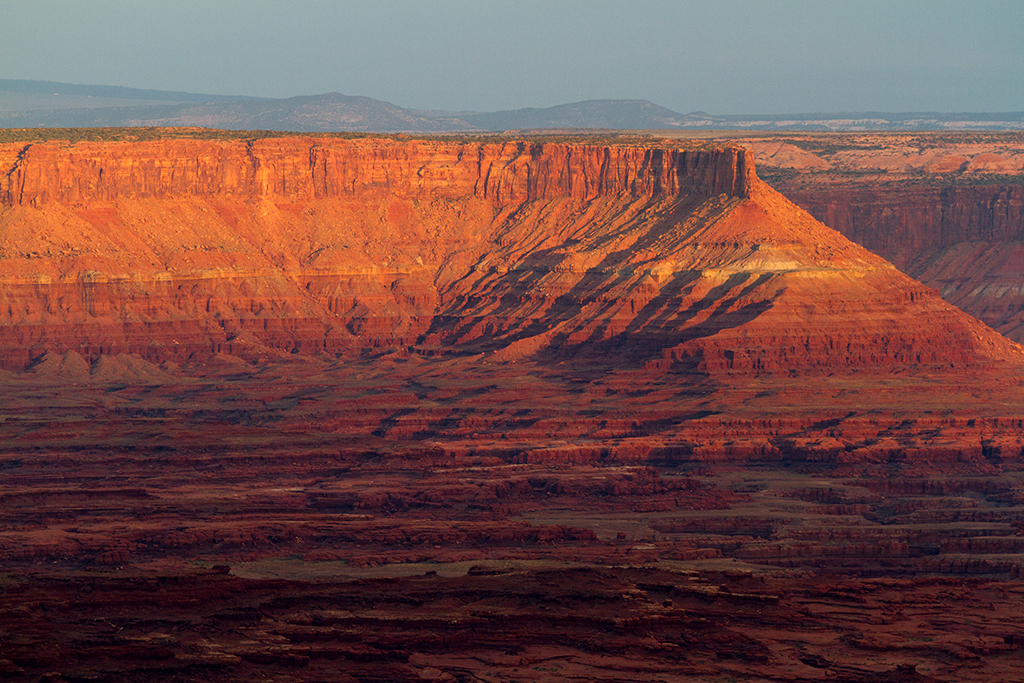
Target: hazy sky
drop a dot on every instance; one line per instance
(720, 56)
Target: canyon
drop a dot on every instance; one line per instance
(482, 409)
(948, 210)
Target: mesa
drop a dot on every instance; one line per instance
(355, 398)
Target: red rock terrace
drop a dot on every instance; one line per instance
(391, 409)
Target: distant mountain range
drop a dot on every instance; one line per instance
(31, 104)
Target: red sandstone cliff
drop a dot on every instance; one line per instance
(946, 209)
(303, 169)
(967, 242)
(652, 257)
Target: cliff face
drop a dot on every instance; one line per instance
(966, 242)
(297, 169)
(946, 209)
(901, 223)
(176, 248)
(630, 256)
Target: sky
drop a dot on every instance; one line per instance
(719, 56)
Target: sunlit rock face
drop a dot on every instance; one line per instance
(638, 255)
(326, 407)
(526, 291)
(947, 209)
(966, 242)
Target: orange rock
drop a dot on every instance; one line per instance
(521, 301)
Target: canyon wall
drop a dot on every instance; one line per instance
(638, 257)
(174, 248)
(298, 168)
(965, 241)
(947, 209)
(903, 222)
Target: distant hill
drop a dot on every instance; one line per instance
(852, 121)
(38, 101)
(316, 113)
(615, 114)
(110, 92)
(32, 104)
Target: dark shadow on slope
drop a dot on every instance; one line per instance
(664, 323)
(511, 291)
(504, 308)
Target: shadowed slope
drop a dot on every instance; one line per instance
(176, 248)
(748, 284)
(532, 289)
(531, 371)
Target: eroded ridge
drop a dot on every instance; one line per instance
(180, 249)
(384, 409)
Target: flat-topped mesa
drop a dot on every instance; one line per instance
(177, 247)
(620, 257)
(295, 169)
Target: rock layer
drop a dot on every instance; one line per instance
(654, 257)
(309, 168)
(967, 242)
(946, 209)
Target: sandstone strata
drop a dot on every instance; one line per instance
(178, 249)
(557, 301)
(382, 409)
(967, 242)
(946, 209)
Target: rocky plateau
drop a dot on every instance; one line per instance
(948, 210)
(342, 408)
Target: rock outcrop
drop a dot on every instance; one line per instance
(966, 242)
(947, 210)
(171, 249)
(180, 249)
(528, 292)
(303, 169)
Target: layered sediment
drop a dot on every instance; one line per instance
(966, 242)
(417, 410)
(176, 249)
(946, 209)
(304, 169)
